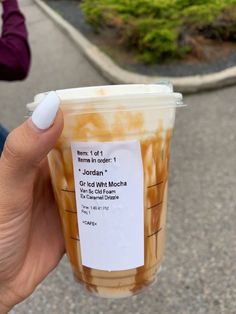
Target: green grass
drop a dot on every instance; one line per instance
(160, 29)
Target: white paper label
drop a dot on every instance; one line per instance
(110, 208)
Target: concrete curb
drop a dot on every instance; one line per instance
(116, 75)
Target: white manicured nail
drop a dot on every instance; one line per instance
(45, 113)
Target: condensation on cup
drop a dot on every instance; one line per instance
(109, 172)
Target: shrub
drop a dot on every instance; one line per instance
(158, 29)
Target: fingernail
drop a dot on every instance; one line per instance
(45, 113)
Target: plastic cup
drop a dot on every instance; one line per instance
(109, 172)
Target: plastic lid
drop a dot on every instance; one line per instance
(162, 91)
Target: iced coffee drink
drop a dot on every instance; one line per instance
(109, 172)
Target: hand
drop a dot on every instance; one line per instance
(31, 242)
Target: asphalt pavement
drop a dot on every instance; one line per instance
(198, 273)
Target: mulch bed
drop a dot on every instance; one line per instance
(218, 56)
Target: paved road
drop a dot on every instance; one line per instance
(198, 274)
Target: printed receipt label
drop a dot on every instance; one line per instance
(110, 206)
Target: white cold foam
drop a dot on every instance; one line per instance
(111, 90)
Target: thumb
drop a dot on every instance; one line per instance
(29, 144)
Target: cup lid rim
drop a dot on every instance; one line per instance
(98, 94)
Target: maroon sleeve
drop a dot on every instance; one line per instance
(14, 47)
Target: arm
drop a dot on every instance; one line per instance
(14, 47)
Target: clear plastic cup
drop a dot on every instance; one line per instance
(109, 173)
